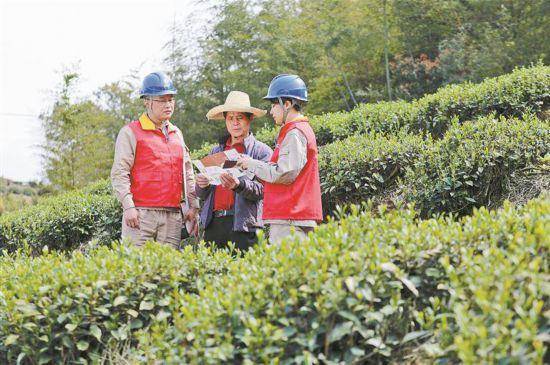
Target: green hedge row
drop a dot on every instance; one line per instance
(374, 289)
(471, 166)
(371, 287)
(365, 167)
(63, 222)
(526, 90)
(62, 309)
(500, 298)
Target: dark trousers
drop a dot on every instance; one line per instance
(220, 231)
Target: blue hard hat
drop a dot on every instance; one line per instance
(157, 83)
(287, 86)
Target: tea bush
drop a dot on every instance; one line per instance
(370, 288)
(472, 164)
(499, 297)
(63, 222)
(62, 309)
(365, 167)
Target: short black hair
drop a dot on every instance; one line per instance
(298, 105)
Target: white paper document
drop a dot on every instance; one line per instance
(232, 154)
(213, 172)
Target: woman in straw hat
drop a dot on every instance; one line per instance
(232, 211)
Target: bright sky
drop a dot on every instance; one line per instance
(38, 39)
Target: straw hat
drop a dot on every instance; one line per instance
(236, 101)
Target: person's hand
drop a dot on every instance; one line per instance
(244, 162)
(229, 181)
(202, 181)
(191, 216)
(131, 217)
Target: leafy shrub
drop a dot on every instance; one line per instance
(369, 287)
(365, 167)
(366, 289)
(62, 222)
(472, 164)
(524, 90)
(500, 299)
(63, 309)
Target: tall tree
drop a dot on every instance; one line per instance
(77, 149)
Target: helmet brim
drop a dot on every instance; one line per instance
(158, 93)
(272, 97)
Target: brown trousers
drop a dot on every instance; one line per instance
(160, 225)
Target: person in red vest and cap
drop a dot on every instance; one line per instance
(292, 189)
(152, 170)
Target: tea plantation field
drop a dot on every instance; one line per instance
(435, 250)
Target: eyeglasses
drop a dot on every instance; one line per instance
(167, 101)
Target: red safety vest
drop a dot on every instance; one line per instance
(300, 200)
(156, 179)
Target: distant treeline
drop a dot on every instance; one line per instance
(349, 52)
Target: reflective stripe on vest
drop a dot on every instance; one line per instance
(300, 200)
(157, 175)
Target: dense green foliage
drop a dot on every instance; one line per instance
(63, 222)
(524, 90)
(365, 167)
(339, 46)
(473, 164)
(58, 309)
(500, 297)
(370, 286)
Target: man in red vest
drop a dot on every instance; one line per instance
(292, 191)
(152, 167)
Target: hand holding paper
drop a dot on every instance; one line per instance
(228, 181)
(244, 162)
(202, 180)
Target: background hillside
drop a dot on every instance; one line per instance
(15, 195)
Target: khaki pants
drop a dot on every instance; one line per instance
(160, 225)
(279, 231)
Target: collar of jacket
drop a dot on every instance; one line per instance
(148, 125)
(248, 142)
